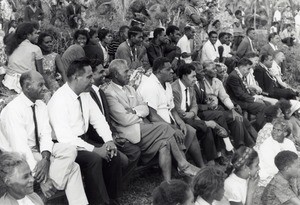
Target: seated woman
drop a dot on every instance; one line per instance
(52, 65)
(173, 192)
(18, 180)
(241, 184)
(208, 185)
(271, 113)
(23, 54)
(271, 147)
(283, 189)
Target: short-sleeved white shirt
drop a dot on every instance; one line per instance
(24, 57)
(185, 45)
(157, 97)
(236, 189)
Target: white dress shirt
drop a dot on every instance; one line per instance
(227, 50)
(157, 97)
(185, 99)
(210, 52)
(266, 153)
(67, 120)
(185, 45)
(277, 16)
(18, 127)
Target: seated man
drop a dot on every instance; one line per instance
(211, 95)
(130, 153)
(210, 50)
(271, 147)
(247, 46)
(25, 124)
(128, 114)
(71, 109)
(276, 71)
(187, 108)
(268, 83)
(156, 90)
(239, 93)
(283, 189)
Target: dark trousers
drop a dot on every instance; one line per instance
(206, 138)
(285, 93)
(102, 179)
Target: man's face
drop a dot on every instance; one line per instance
(190, 79)
(225, 40)
(33, 37)
(293, 169)
(213, 38)
(251, 34)
(81, 40)
(175, 36)
(280, 57)
(85, 80)
(254, 61)
(36, 88)
(268, 62)
(275, 40)
(123, 75)
(99, 75)
(138, 39)
(167, 73)
(163, 37)
(21, 180)
(190, 34)
(245, 69)
(211, 70)
(221, 73)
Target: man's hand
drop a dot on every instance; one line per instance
(188, 115)
(47, 188)
(179, 136)
(211, 124)
(111, 148)
(130, 110)
(102, 152)
(238, 109)
(41, 170)
(236, 116)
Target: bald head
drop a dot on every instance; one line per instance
(33, 85)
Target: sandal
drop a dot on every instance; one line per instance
(189, 170)
(221, 131)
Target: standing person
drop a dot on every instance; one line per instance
(18, 180)
(53, 69)
(120, 38)
(73, 14)
(33, 12)
(105, 38)
(185, 45)
(76, 50)
(23, 54)
(25, 123)
(71, 110)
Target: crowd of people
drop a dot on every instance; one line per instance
(83, 120)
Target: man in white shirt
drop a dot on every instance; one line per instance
(25, 123)
(271, 147)
(157, 92)
(71, 110)
(210, 50)
(277, 15)
(185, 45)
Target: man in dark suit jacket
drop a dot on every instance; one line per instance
(246, 46)
(271, 47)
(73, 13)
(129, 152)
(239, 93)
(268, 83)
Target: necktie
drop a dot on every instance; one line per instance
(37, 142)
(101, 103)
(81, 108)
(186, 100)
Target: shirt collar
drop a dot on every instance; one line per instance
(95, 87)
(26, 100)
(262, 65)
(119, 86)
(272, 45)
(183, 87)
(72, 94)
(201, 201)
